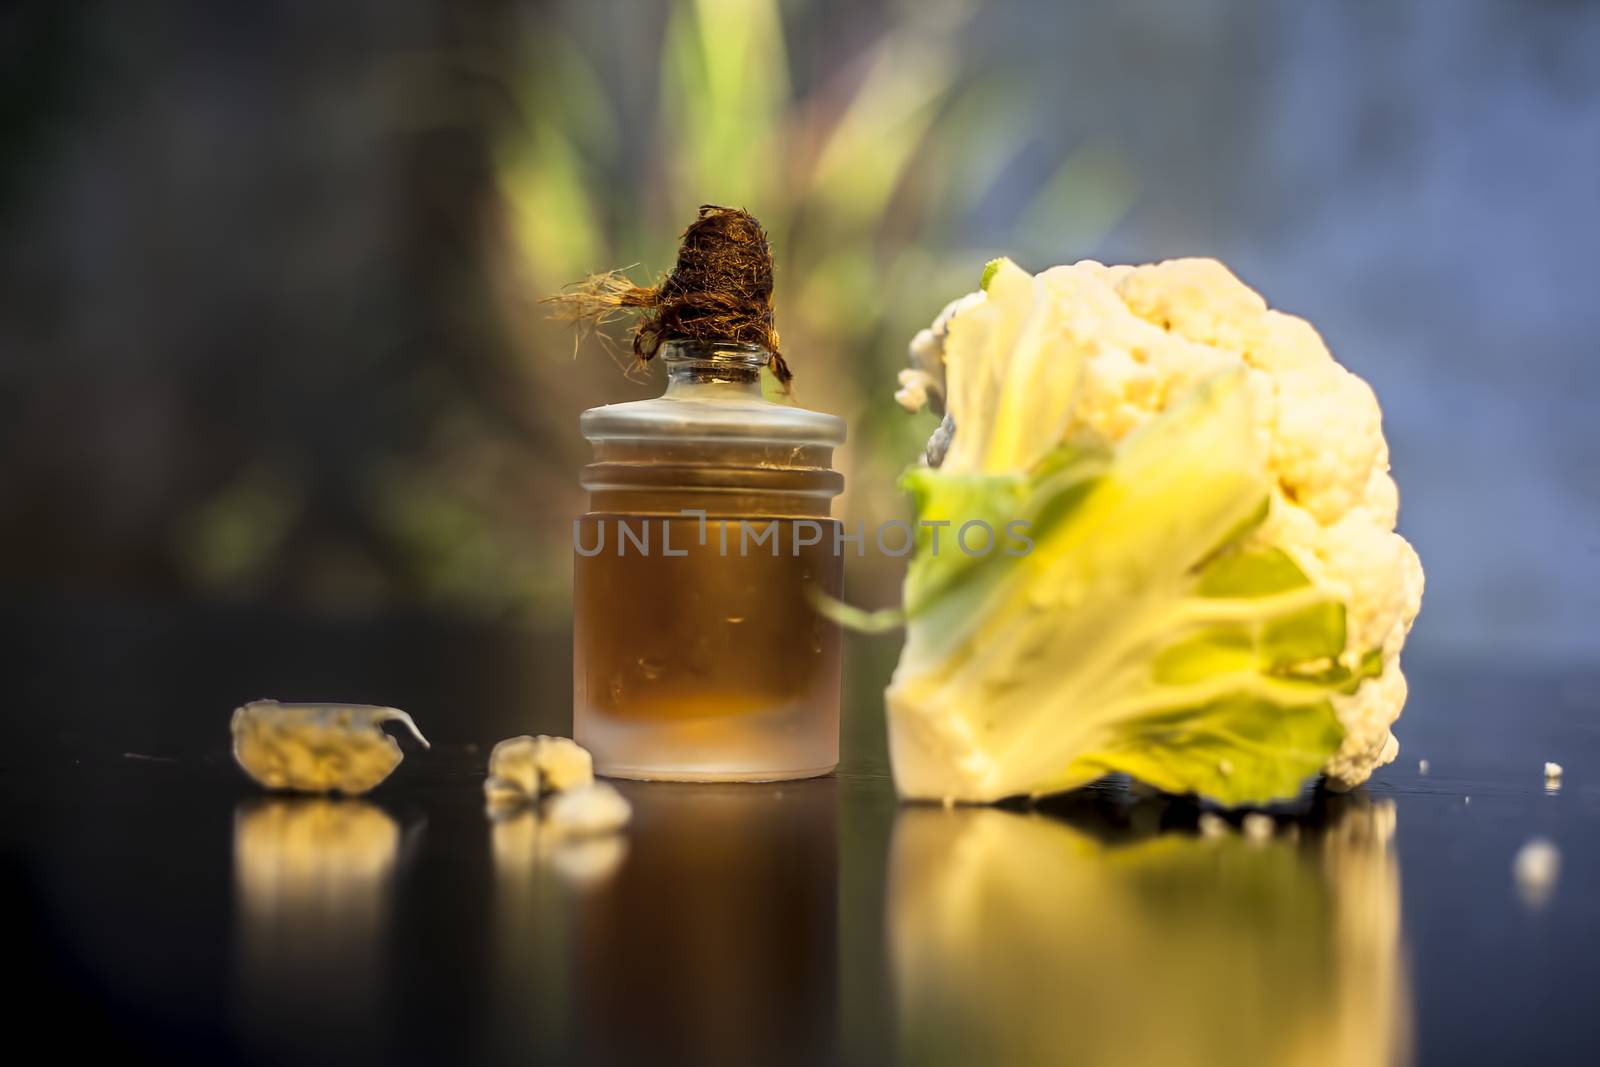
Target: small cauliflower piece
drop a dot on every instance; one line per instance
(563, 763)
(513, 772)
(916, 389)
(1552, 778)
(922, 384)
(521, 769)
(593, 809)
(318, 748)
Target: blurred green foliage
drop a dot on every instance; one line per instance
(870, 182)
(872, 175)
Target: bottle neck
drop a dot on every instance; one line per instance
(727, 369)
(712, 443)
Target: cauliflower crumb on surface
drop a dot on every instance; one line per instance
(548, 782)
(523, 768)
(318, 748)
(563, 762)
(1149, 334)
(1213, 825)
(513, 771)
(594, 809)
(1553, 770)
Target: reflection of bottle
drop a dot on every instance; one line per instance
(311, 882)
(696, 653)
(716, 941)
(1023, 939)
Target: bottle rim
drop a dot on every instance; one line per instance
(682, 350)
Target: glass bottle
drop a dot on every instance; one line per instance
(697, 654)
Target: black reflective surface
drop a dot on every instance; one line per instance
(179, 914)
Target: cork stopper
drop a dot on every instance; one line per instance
(719, 291)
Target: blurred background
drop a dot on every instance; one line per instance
(278, 399)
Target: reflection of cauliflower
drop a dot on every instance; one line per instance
(973, 893)
(1087, 367)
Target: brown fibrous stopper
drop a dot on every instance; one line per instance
(719, 290)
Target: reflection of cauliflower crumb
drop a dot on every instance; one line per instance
(1144, 337)
(1535, 870)
(523, 841)
(1258, 826)
(589, 861)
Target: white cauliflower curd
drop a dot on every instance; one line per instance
(1211, 597)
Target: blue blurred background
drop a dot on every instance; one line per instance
(269, 331)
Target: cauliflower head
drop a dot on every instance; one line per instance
(1207, 591)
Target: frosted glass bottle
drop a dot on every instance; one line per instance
(697, 655)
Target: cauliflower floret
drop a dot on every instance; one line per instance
(1366, 563)
(1328, 434)
(1118, 396)
(1285, 343)
(1366, 716)
(1328, 438)
(923, 382)
(918, 389)
(1199, 299)
(1382, 498)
